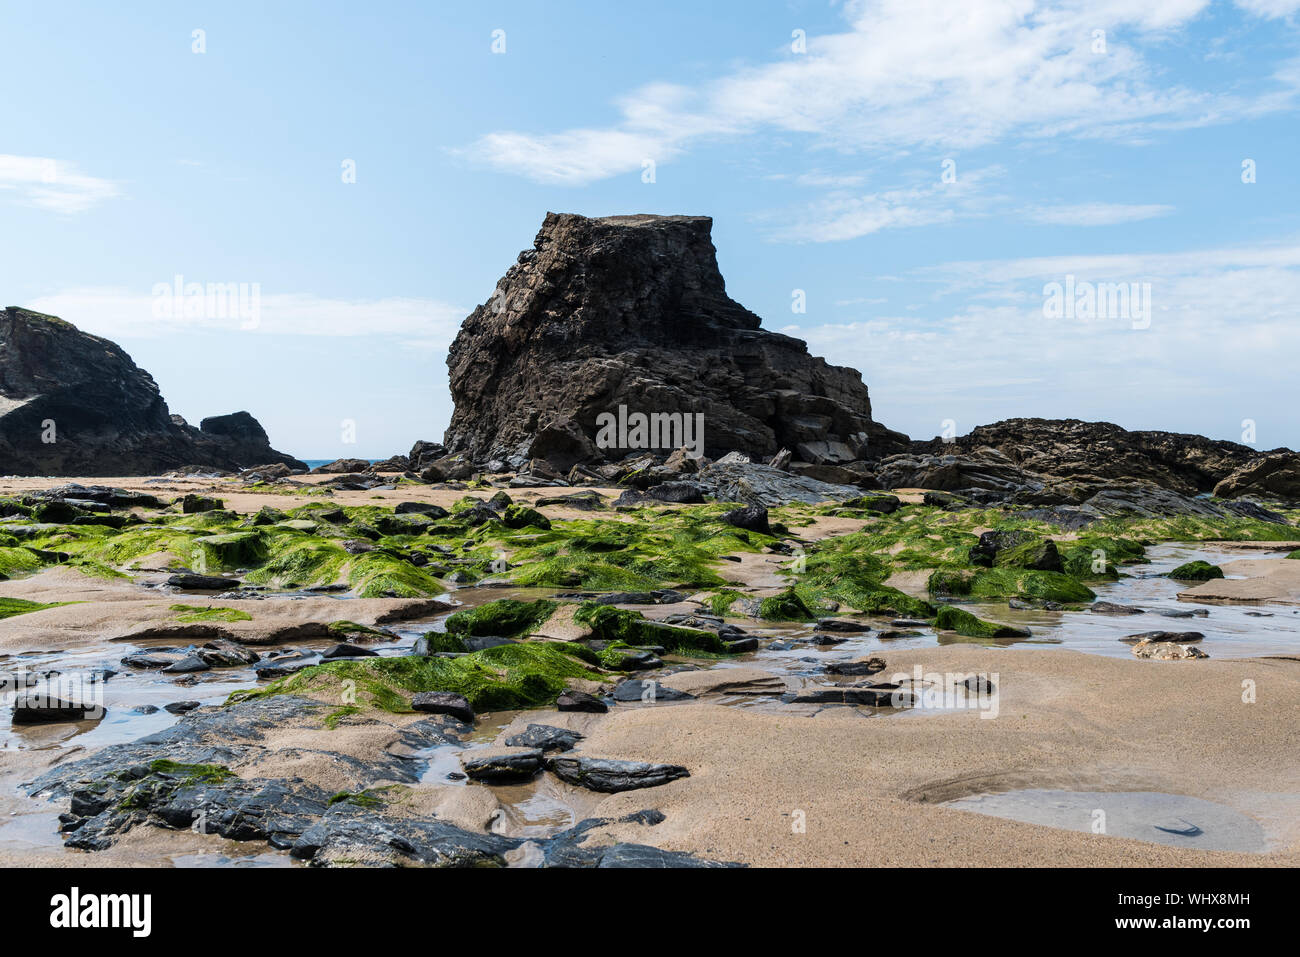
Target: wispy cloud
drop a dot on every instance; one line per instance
(915, 74)
(52, 184)
(121, 313)
(1095, 214)
(1217, 317)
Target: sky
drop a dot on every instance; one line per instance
(913, 188)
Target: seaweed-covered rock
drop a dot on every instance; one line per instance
(1196, 571)
(962, 622)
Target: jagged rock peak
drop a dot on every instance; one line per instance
(632, 311)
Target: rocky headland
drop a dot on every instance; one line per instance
(75, 404)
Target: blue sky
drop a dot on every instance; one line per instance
(127, 159)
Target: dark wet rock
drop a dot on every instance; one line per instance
(223, 653)
(189, 581)
(742, 645)
(862, 666)
(346, 833)
(679, 493)
(345, 650)
(545, 737)
(585, 501)
(41, 707)
(908, 623)
(571, 700)
(752, 518)
(633, 659)
(1275, 476)
(946, 501)
(145, 709)
(1185, 613)
(1183, 637)
(893, 634)
(420, 508)
(1034, 603)
(826, 638)
(190, 664)
(502, 767)
(570, 848)
(342, 467)
(154, 658)
(1111, 608)
(283, 665)
(763, 485)
(181, 707)
(979, 684)
(610, 776)
(875, 696)
(1083, 456)
(841, 624)
(444, 702)
(637, 689)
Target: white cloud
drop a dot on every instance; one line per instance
(1271, 9)
(912, 74)
(842, 214)
(1219, 319)
(120, 313)
(1095, 214)
(52, 184)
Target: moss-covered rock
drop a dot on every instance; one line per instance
(951, 618)
(993, 584)
(521, 516)
(1038, 555)
(195, 613)
(506, 677)
(503, 618)
(231, 550)
(1197, 571)
(628, 627)
(787, 606)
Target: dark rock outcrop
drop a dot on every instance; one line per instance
(1069, 458)
(632, 311)
(75, 404)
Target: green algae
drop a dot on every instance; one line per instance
(503, 618)
(1000, 583)
(626, 627)
(1196, 571)
(195, 613)
(950, 618)
(507, 677)
(11, 607)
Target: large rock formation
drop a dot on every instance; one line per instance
(1050, 461)
(75, 404)
(632, 311)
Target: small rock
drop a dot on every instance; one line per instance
(545, 737)
(444, 702)
(181, 707)
(611, 776)
(1110, 608)
(502, 768)
(580, 701)
(345, 650)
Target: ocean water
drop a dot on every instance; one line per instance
(317, 463)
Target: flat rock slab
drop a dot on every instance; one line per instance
(647, 691)
(502, 767)
(727, 681)
(545, 737)
(1273, 580)
(611, 776)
